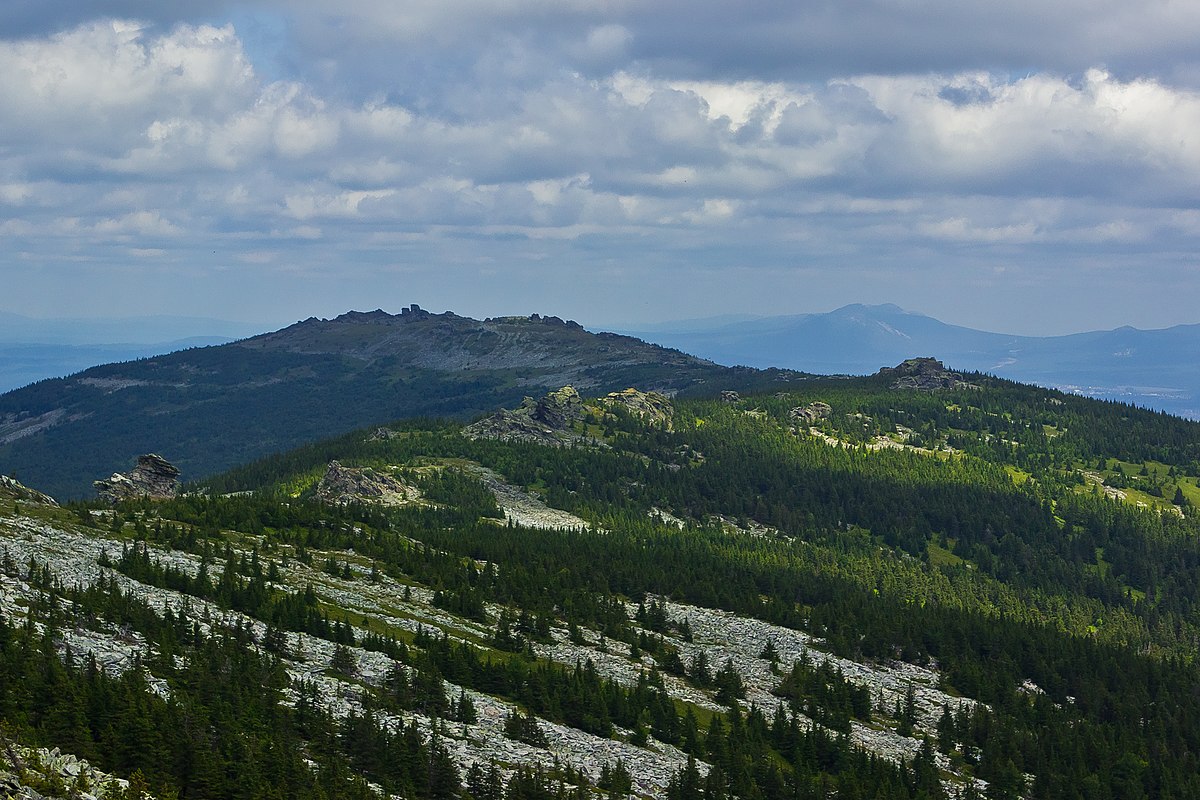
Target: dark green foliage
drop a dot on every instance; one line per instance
(883, 554)
(222, 733)
(524, 728)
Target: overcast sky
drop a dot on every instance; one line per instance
(1020, 166)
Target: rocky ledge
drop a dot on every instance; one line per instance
(344, 485)
(153, 477)
(924, 374)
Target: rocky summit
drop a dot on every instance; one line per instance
(153, 477)
(924, 374)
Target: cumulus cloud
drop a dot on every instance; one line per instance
(174, 138)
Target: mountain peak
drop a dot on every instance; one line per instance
(883, 309)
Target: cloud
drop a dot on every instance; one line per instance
(562, 137)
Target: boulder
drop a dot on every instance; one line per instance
(730, 396)
(153, 477)
(344, 485)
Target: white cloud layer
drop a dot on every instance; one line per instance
(186, 144)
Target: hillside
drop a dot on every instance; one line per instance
(210, 408)
(852, 588)
(1145, 368)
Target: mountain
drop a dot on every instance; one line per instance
(1153, 368)
(207, 409)
(919, 585)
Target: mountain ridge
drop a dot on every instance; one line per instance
(213, 407)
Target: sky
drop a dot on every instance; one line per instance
(1017, 166)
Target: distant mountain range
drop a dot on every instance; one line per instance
(207, 409)
(1157, 369)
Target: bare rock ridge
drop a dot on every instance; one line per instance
(153, 477)
(344, 485)
(15, 490)
(924, 374)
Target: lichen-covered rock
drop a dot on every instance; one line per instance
(924, 374)
(154, 477)
(13, 489)
(810, 413)
(651, 407)
(343, 485)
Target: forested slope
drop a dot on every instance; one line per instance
(845, 590)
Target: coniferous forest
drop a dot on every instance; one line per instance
(1029, 559)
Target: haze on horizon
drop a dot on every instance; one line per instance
(1014, 168)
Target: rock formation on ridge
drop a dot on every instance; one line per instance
(343, 485)
(547, 421)
(153, 477)
(651, 407)
(924, 374)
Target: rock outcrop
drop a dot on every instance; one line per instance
(153, 477)
(13, 489)
(807, 415)
(924, 374)
(559, 409)
(344, 485)
(730, 396)
(61, 774)
(548, 420)
(651, 407)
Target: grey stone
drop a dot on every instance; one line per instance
(153, 477)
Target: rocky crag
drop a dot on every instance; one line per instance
(342, 485)
(925, 375)
(153, 477)
(650, 407)
(28, 773)
(549, 420)
(13, 489)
